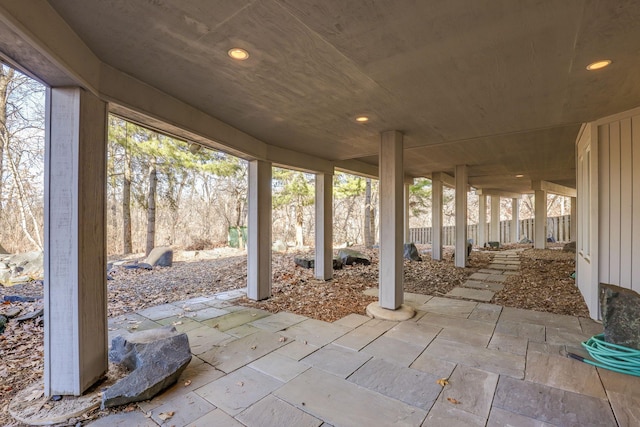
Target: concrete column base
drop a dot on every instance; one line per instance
(404, 312)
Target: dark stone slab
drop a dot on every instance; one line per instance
(493, 245)
(569, 247)
(155, 359)
(30, 315)
(18, 298)
(350, 257)
(309, 262)
(411, 252)
(161, 256)
(552, 405)
(620, 315)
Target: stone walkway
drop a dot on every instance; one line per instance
(504, 366)
(483, 285)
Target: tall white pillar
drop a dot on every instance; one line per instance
(482, 220)
(461, 216)
(436, 220)
(573, 220)
(540, 223)
(391, 278)
(515, 220)
(75, 290)
(407, 212)
(324, 226)
(259, 238)
(495, 218)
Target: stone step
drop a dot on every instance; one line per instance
(483, 295)
(495, 287)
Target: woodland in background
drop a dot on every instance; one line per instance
(163, 191)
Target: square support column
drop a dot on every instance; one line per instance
(391, 276)
(259, 238)
(75, 290)
(515, 220)
(324, 226)
(573, 220)
(436, 220)
(482, 220)
(495, 218)
(407, 212)
(540, 223)
(461, 215)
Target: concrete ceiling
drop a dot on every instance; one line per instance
(498, 85)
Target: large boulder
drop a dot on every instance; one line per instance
(155, 359)
(620, 315)
(21, 268)
(161, 256)
(309, 262)
(350, 257)
(411, 252)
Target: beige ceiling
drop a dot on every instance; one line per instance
(498, 85)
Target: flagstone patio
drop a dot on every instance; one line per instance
(504, 366)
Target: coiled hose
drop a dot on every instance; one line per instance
(610, 356)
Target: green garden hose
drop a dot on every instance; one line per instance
(610, 356)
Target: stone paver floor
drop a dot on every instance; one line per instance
(504, 366)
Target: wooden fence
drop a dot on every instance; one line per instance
(558, 227)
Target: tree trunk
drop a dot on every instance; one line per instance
(151, 207)
(6, 74)
(127, 246)
(299, 225)
(369, 216)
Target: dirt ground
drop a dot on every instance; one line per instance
(543, 284)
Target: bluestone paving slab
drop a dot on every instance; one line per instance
(277, 322)
(509, 344)
(186, 408)
(496, 278)
(204, 338)
(207, 313)
(129, 419)
(372, 292)
(521, 329)
(242, 351)
(450, 322)
(473, 388)
(510, 273)
(495, 287)
(465, 337)
(541, 318)
(477, 357)
(408, 385)
(336, 360)
(486, 312)
(297, 350)
(415, 300)
(448, 415)
(590, 327)
(490, 271)
(238, 390)
(503, 267)
(543, 347)
(448, 306)
(565, 337)
(432, 365)
(352, 320)
(414, 333)
(315, 332)
(364, 334)
(564, 373)
(161, 311)
(479, 276)
(551, 405)
(217, 418)
(182, 324)
(190, 306)
(473, 294)
(396, 351)
(623, 392)
(501, 418)
(279, 367)
(274, 412)
(342, 403)
(236, 318)
(242, 331)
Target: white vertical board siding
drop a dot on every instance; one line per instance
(619, 200)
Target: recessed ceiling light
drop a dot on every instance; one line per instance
(238, 53)
(362, 119)
(599, 64)
(519, 176)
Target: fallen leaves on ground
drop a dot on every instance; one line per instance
(454, 401)
(443, 382)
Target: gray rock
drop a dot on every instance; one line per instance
(30, 315)
(494, 245)
(525, 240)
(620, 315)
(155, 359)
(3, 323)
(11, 312)
(309, 262)
(21, 268)
(569, 247)
(161, 256)
(350, 257)
(411, 252)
